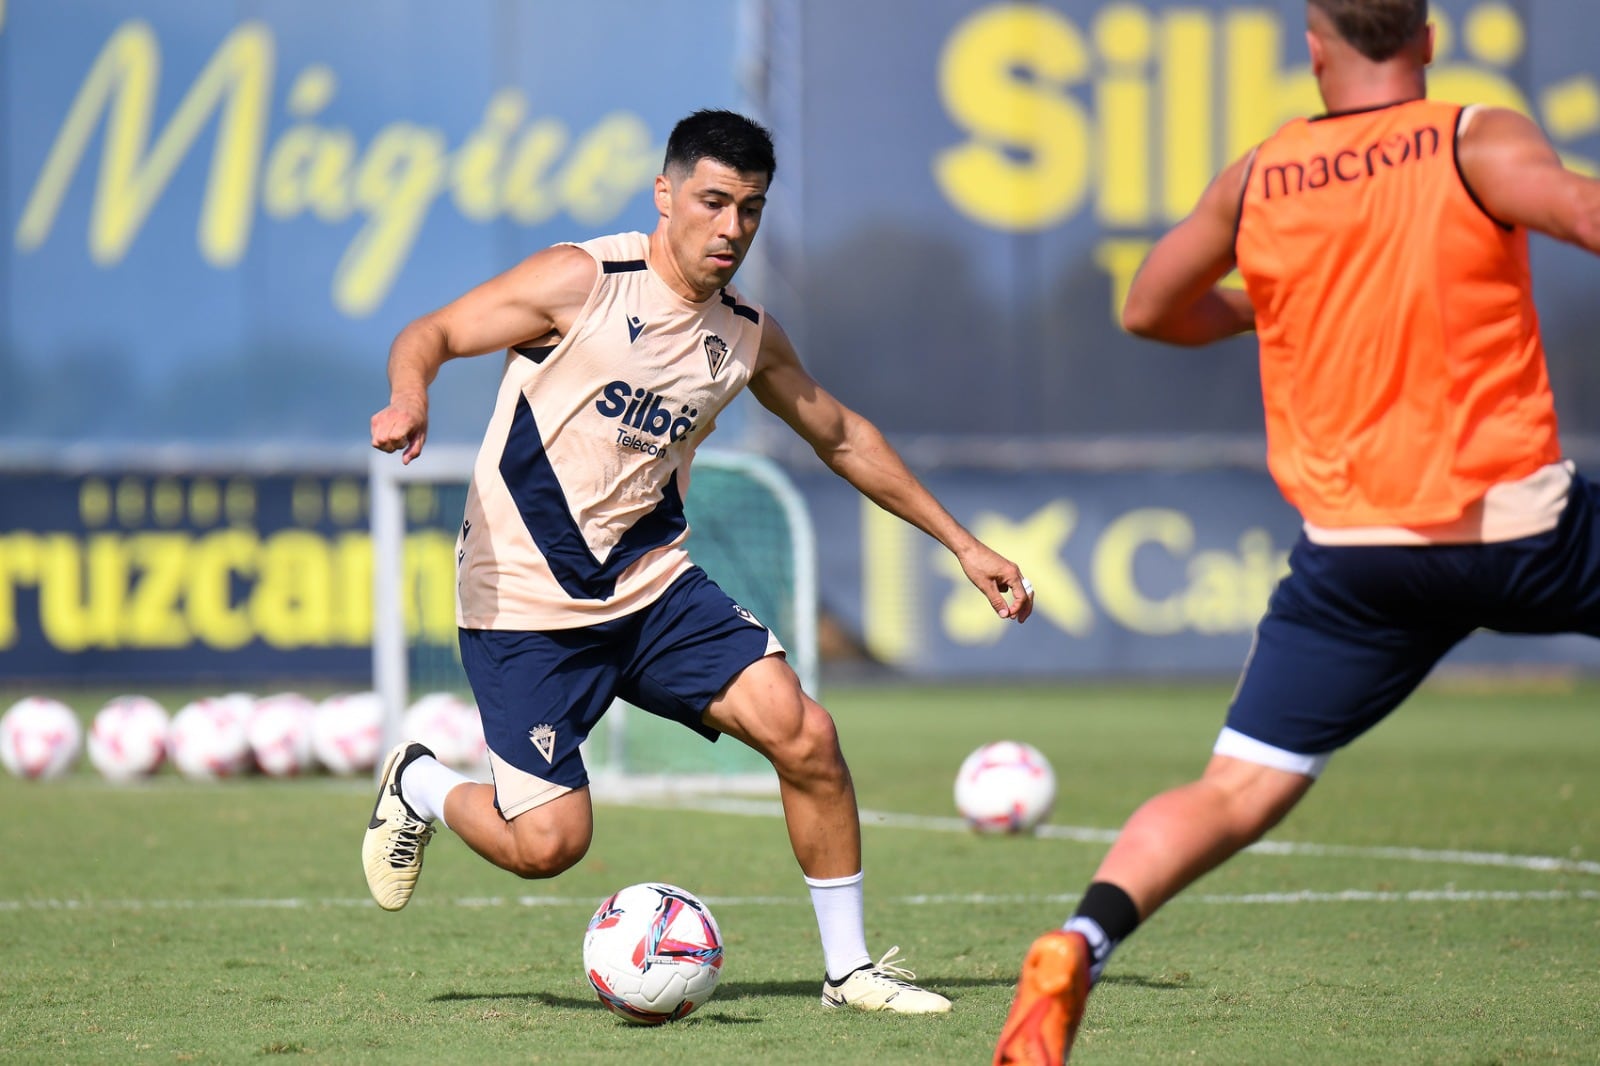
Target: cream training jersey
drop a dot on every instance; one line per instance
(575, 511)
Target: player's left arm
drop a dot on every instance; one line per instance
(1175, 296)
(857, 451)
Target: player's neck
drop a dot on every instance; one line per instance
(1375, 86)
(665, 266)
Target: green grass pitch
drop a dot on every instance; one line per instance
(1435, 900)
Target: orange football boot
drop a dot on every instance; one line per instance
(1051, 995)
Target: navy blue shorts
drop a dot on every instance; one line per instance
(541, 693)
(1352, 631)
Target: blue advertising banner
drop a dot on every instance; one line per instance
(1138, 573)
(219, 215)
(123, 576)
(982, 180)
(126, 576)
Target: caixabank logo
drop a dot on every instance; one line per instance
(647, 421)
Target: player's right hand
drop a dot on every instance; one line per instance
(401, 427)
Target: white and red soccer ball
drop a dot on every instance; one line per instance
(210, 738)
(128, 738)
(40, 738)
(279, 730)
(653, 953)
(347, 732)
(1005, 787)
(449, 725)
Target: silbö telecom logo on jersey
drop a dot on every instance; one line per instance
(646, 417)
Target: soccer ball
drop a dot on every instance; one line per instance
(346, 732)
(128, 738)
(1005, 787)
(653, 953)
(39, 738)
(210, 739)
(279, 730)
(449, 726)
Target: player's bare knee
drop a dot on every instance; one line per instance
(545, 857)
(811, 751)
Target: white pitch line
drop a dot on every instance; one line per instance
(980, 899)
(1089, 835)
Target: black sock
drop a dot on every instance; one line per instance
(1106, 917)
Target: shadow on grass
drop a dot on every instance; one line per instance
(1163, 982)
(545, 999)
(735, 990)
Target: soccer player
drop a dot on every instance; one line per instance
(1383, 247)
(574, 586)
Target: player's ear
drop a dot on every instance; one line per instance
(663, 195)
(1428, 43)
(1314, 46)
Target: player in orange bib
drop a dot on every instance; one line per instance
(1409, 419)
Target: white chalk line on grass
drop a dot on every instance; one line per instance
(1088, 835)
(888, 819)
(979, 899)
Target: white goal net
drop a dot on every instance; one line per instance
(748, 529)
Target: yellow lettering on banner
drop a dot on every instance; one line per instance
(131, 501)
(1188, 85)
(239, 502)
(481, 158)
(1228, 593)
(347, 501)
(891, 607)
(215, 562)
(1025, 163)
(1112, 565)
(1120, 258)
(1259, 95)
(305, 501)
(167, 502)
(529, 197)
(80, 590)
(401, 175)
(608, 165)
(1035, 544)
(352, 601)
(499, 170)
(222, 589)
(1221, 592)
(94, 502)
(205, 502)
(19, 565)
(1124, 35)
(154, 614)
(309, 166)
(430, 581)
(291, 604)
(121, 90)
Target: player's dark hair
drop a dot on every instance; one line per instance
(1378, 29)
(725, 137)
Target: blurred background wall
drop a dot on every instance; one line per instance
(219, 216)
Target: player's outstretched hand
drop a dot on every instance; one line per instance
(996, 577)
(401, 425)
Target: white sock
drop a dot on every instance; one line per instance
(839, 905)
(1100, 945)
(424, 785)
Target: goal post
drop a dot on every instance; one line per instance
(749, 529)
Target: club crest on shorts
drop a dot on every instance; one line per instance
(716, 352)
(543, 736)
